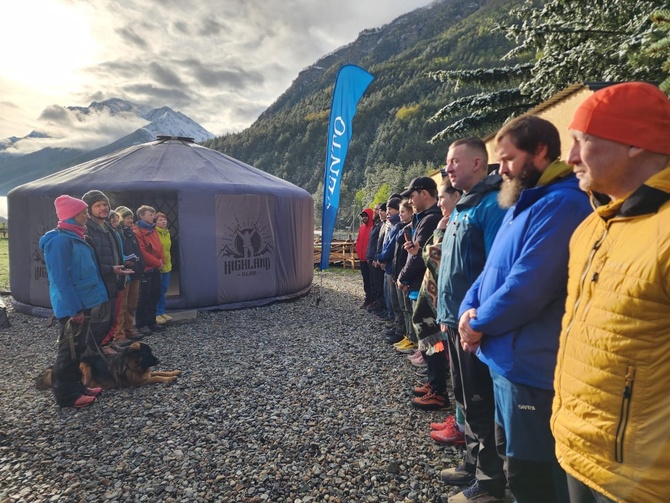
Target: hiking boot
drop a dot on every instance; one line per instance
(416, 359)
(83, 401)
(450, 421)
(458, 476)
(431, 401)
(372, 306)
(365, 304)
(422, 390)
(448, 436)
(475, 493)
(166, 317)
(401, 342)
(92, 391)
(407, 349)
(144, 330)
(160, 320)
(394, 339)
(404, 344)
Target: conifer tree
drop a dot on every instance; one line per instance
(662, 47)
(568, 42)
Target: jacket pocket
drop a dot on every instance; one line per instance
(624, 414)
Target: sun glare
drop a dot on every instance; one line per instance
(45, 42)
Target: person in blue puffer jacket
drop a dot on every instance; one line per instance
(75, 287)
(512, 313)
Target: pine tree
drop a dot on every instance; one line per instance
(662, 47)
(568, 42)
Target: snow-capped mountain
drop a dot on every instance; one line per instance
(73, 135)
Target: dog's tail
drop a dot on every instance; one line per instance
(43, 381)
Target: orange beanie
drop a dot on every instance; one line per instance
(634, 113)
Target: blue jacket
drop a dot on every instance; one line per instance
(520, 294)
(388, 248)
(75, 283)
(472, 227)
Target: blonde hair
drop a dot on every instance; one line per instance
(143, 209)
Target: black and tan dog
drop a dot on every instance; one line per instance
(130, 367)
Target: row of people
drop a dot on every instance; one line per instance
(553, 315)
(104, 283)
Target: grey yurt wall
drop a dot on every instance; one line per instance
(241, 237)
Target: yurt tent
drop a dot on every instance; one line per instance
(241, 237)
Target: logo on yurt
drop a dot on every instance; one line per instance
(37, 257)
(246, 248)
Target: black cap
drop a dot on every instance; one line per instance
(394, 203)
(382, 207)
(420, 183)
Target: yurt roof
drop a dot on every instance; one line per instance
(163, 164)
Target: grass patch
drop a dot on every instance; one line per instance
(4, 264)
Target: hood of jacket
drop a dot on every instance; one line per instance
(471, 199)
(369, 212)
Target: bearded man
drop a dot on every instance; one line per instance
(511, 315)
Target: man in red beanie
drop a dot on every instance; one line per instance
(611, 407)
(75, 287)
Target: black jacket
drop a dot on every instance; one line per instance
(423, 225)
(107, 246)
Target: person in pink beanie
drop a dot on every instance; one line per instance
(75, 287)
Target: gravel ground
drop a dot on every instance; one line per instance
(292, 402)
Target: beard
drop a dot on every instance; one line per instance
(511, 190)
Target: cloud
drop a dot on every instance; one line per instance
(220, 62)
(211, 27)
(147, 93)
(56, 114)
(70, 128)
(164, 75)
(129, 35)
(226, 74)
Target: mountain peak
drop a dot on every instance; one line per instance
(31, 157)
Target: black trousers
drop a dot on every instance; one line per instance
(377, 280)
(581, 493)
(436, 364)
(367, 282)
(535, 481)
(150, 291)
(65, 374)
(473, 390)
(102, 318)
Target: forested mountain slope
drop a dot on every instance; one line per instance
(391, 132)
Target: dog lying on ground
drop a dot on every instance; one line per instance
(130, 367)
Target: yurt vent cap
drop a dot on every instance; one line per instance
(184, 139)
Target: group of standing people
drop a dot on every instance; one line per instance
(108, 277)
(549, 293)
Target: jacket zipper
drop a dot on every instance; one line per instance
(583, 277)
(623, 416)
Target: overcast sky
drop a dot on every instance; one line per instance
(221, 62)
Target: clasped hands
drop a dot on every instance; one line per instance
(470, 338)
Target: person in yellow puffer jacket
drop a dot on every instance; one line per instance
(611, 408)
(166, 241)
